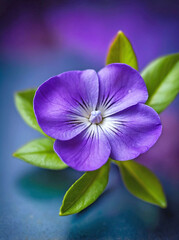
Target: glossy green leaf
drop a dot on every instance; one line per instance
(24, 105)
(85, 191)
(40, 153)
(162, 80)
(142, 183)
(121, 51)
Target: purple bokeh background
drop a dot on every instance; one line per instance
(87, 28)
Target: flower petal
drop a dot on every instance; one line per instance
(86, 152)
(132, 131)
(63, 103)
(120, 87)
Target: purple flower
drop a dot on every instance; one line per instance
(94, 116)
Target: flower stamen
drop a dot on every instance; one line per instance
(95, 117)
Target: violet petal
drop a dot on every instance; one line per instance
(86, 152)
(63, 103)
(132, 131)
(120, 87)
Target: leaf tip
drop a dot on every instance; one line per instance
(14, 154)
(120, 33)
(163, 204)
(62, 213)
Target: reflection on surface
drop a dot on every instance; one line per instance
(38, 194)
(45, 184)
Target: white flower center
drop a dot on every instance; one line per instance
(95, 117)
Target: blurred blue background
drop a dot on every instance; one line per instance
(39, 39)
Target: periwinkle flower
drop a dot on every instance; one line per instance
(94, 116)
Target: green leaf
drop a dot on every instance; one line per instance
(85, 191)
(162, 80)
(24, 105)
(40, 153)
(121, 51)
(142, 183)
